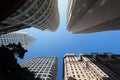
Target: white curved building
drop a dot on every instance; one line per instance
(15, 37)
(41, 14)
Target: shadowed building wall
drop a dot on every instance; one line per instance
(87, 16)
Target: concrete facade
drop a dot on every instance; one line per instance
(90, 67)
(87, 16)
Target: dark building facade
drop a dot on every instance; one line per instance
(87, 16)
(111, 61)
(107, 62)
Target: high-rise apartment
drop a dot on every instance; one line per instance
(15, 37)
(91, 67)
(86, 16)
(44, 67)
(41, 14)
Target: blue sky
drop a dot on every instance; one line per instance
(61, 41)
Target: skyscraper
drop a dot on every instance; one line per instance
(15, 37)
(44, 67)
(41, 14)
(91, 67)
(87, 16)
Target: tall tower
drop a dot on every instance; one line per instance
(41, 14)
(87, 16)
(15, 37)
(85, 67)
(44, 67)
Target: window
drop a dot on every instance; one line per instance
(78, 76)
(73, 75)
(73, 72)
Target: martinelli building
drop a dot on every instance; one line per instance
(41, 14)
